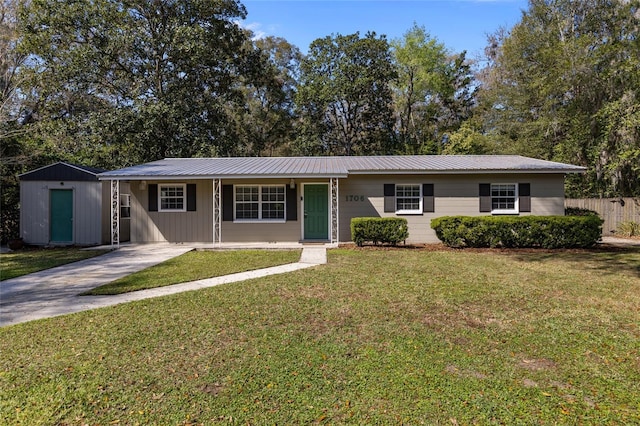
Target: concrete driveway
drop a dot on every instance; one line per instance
(55, 291)
(28, 297)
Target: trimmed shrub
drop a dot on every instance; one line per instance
(518, 232)
(579, 211)
(386, 230)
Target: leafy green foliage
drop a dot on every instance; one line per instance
(578, 211)
(344, 96)
(386, 230)
(563, 85)
(525, 231)
(128, 82)
(433, 94)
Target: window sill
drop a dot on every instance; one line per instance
(259, 221)
(409, 212)
(505, 212)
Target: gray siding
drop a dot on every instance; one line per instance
(454, 195)
(177, 227)
(87, 211)
(265, 231)
(358, 196)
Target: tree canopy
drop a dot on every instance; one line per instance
(137, 80)
(344, 96)
(111, 83)
(563, 84)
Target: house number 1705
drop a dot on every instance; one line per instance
(354, 197)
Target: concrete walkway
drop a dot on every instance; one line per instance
(55, 291)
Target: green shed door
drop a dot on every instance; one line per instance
(316, 212)
(61, 211)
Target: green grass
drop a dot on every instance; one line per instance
(27, 261)
(197, 265)
(374, 337)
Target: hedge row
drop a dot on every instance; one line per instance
(524, 231)
(389, 230)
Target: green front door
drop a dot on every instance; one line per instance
(61, 211)
(316, 212)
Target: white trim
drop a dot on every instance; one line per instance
(184, 197)
(217, 211)
(516, 204)
(259, 219)
(115, 213)
(65, 164)
(417, 211)
(328, 185)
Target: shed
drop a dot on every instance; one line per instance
(65, 204)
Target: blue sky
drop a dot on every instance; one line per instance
(459, 24)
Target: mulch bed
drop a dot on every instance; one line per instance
(609, 248)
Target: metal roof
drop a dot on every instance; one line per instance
(62, 171)
(307, 167)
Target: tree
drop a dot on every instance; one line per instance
(13, 158)
(561, 85)
(344, 96)
(267, 121)
(127, 81)
(433, 93)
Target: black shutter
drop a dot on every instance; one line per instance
(153, 197)
(292, 204)
(389, 197)
(485, 197)
(524, 192)
(191, 197)
(227, 202)
(428, 199)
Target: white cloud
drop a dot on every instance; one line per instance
(255, 27)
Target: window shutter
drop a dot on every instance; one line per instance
(153, 197)
(485, 197)
(389, 197)
(227, 202)
(292, 204)
(524, 192)
(191, 197)
(428, 199)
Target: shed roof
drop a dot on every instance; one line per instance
(305, 167)
(62, 171)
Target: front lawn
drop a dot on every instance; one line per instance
(197, 265)
(373, 337)
(31, 260)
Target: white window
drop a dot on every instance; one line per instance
(172, 198)
(408, 198)
(125, 206)
(504, 198)
(260, 202)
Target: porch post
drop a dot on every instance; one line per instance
(334, 210)
(217, 216)
(115, 213)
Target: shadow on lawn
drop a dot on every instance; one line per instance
(606, 259)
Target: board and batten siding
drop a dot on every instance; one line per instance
(264, 232)
(35, 211)
(175, 227)
(363, 196)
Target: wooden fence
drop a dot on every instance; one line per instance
(612, 210)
